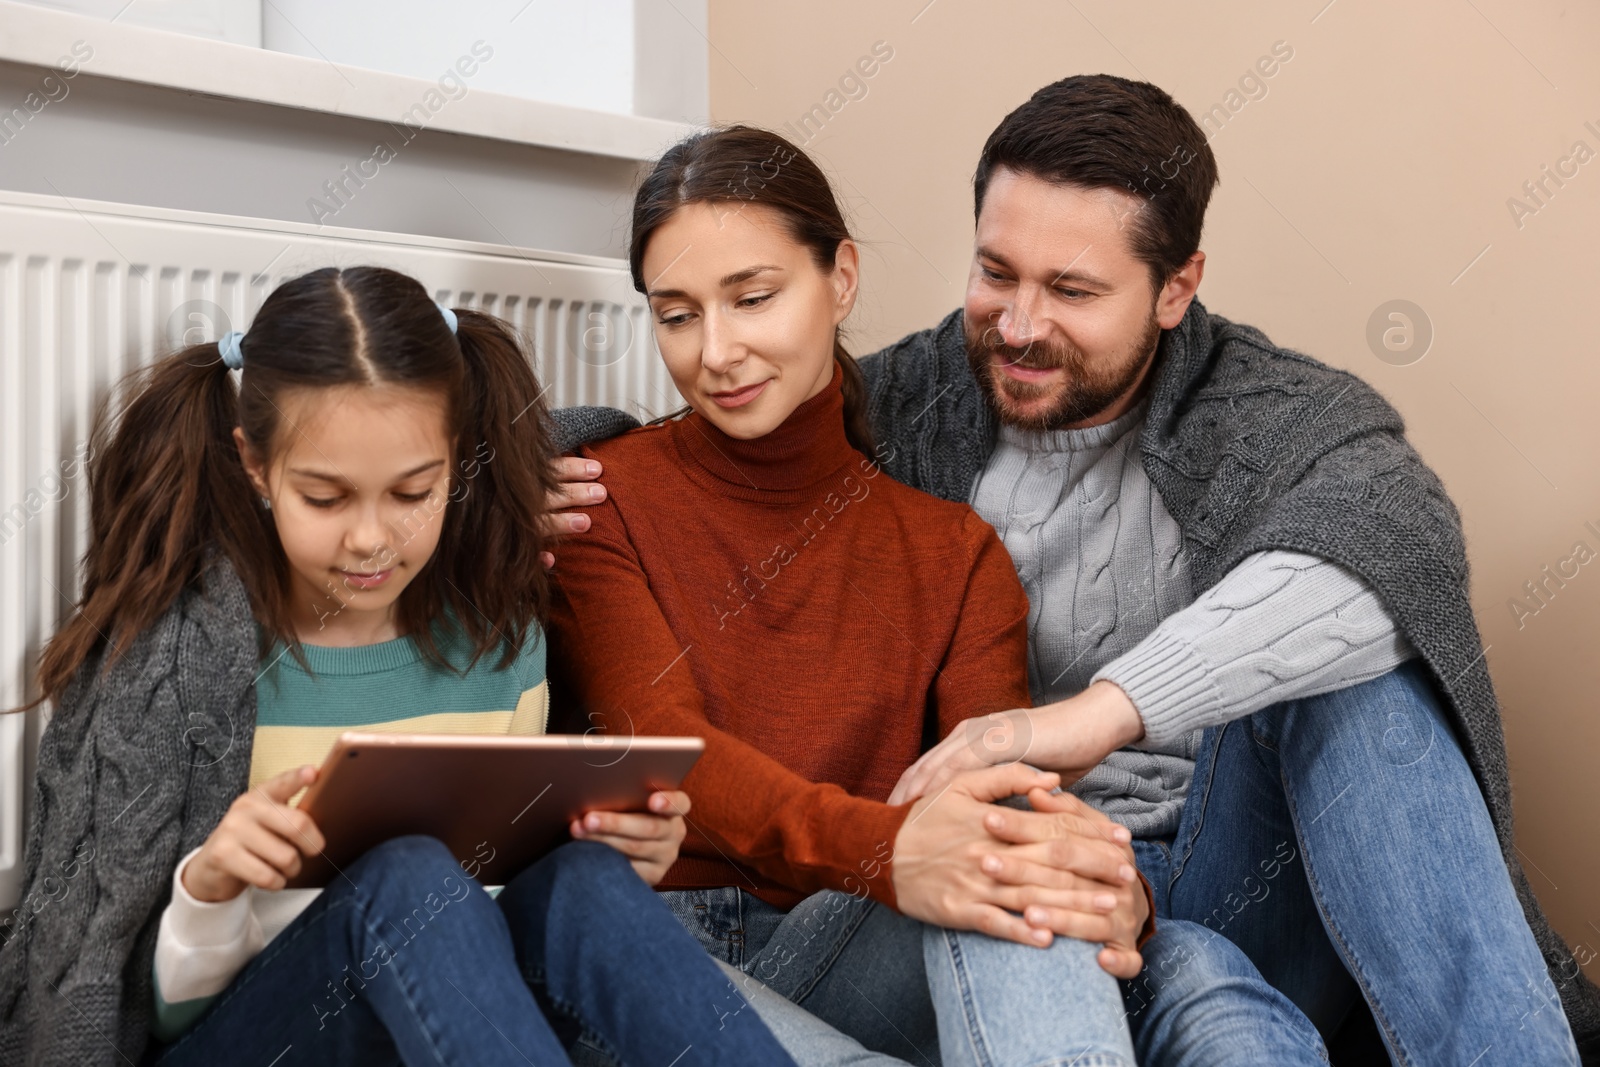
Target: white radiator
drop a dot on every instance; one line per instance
(91, 290)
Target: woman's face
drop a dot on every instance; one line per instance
(743, 317)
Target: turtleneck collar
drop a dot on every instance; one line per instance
(805, 449)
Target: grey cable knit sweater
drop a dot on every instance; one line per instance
(1252, 448)
(136, 767)
(1109, 596)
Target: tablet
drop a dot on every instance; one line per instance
(498, 803)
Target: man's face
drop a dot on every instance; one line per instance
(1061, 322)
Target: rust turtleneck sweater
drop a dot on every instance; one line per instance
(800, 610)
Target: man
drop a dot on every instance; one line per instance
(1251, 641)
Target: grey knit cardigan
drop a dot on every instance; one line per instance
(1252, 447)
(136, 768)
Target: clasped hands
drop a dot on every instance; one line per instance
(1062, 869)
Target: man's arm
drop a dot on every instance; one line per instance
(1279, 626)
(575, 426)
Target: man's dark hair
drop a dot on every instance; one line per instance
(1096, 130)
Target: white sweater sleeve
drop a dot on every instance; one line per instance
(200, 945)
(1279, 626)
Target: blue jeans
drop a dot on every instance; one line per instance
(1332, 851)
(407, 960)
(877, 987)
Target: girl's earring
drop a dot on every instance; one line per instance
(266, 503)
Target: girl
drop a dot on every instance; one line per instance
(350, 538)
(754, 578)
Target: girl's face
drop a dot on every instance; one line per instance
(358, 491)
(744, 318)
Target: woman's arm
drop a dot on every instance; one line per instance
(615, 652)
(985, 669)
(613, 648)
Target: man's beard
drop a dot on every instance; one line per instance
(1089, 388)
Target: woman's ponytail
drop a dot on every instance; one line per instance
(165, 482)
(857, 420)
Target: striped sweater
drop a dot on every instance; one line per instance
(384, 688)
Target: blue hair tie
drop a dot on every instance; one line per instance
(228, 348)
(449, 316)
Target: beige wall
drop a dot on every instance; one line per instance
(1377, 167)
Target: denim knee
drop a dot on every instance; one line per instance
(583, 872)
(588, 859)
(413, 851)
(1183, 956)
(412, 865)
(1398, 716)
(1200, 999)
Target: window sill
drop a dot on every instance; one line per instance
(42, 37)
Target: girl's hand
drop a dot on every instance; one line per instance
(259, 841)
(649, 840)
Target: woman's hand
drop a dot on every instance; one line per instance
(1069, 737)
(259, 842)
(577, 487)
(951, 868)
(1043, 858)
(649, 840)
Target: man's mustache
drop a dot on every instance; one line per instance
(1029, 357)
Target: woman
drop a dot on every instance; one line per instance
(752, 577)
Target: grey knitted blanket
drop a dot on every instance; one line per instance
(136, 768)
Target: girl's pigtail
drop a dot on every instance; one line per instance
(489, 550)
(165, 482)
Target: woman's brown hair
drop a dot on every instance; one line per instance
(749, 165)
(167, 487)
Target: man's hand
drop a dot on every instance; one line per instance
(259, 841)
(578, 486)
(650, 840)
(1069, 737)
(952, 869)
(1045, 855)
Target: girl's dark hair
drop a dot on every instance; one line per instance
(748, 165)
(167, 486)
(1098, 130)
